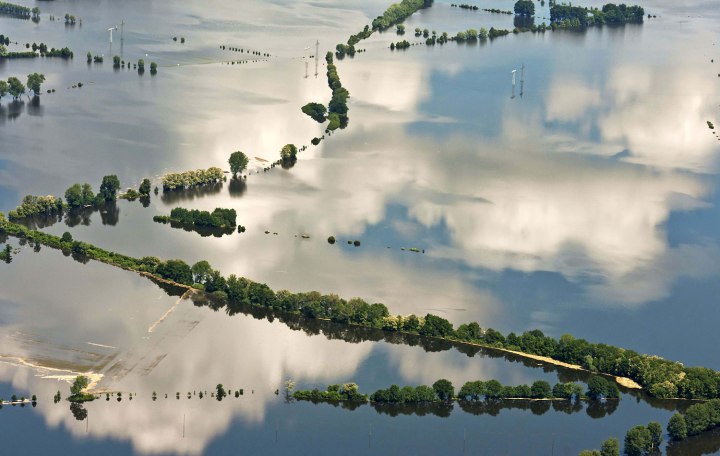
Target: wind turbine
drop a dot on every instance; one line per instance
(513, 83)
(110, 30)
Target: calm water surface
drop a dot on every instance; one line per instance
(584, 201)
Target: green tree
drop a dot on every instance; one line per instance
(4, 88)
(176, 270)
(153, 68)
(15, 87)
(597, 387)
(88, 195)
(677, 428)
(540, 390)
(79, 384)
(109, 187)
(3, 50)
(238, 162)
(145, 187)
(141, 65)
(220, 392)
(116, 61)
(34, 81)
(288, 153)
(656, 435)
(589, 453)
(525, 8)
(73, 196)
(637, 441)
(315, 110)
(201, 271)
(444, 389)
(610, 447)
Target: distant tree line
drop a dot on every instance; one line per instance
(497, 11)
(576, 17)
(398, 12)
(465, 6)
(12, 10)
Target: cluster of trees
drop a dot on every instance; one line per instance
(697, 418)
(574, 17)
(465, 6)
(238, 161)
(472, 35)
(404, 44)
(5, 40)
(315, 110)
(77, 390)
(37, 205)
(189, 179)
(525, 8)
(16, 88)
(398, 12)
(409, 394)
(347, 392)
(219, 218)
(10, 9)
(70, 19)
(639, 441)
(337, 107)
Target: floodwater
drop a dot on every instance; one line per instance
(582, 201)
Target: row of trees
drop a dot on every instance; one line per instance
(444, 391)
(337, 107)
(571, 17)
(189, 179)
(659, 377)
(465, 6)
(347, 392)
(398, 12)
(10, 9)
(16, 88)
(37, 51)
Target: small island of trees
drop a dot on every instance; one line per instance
(218, 222)
(315, 110)
(189, 179)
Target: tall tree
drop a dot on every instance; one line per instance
(109, 187)
(444, 389)
(4, 88)
(34, 81)
(16, 88)
(238, 162)
(677, 428)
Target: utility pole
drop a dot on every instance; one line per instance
(522, 79)
(317, 51)
(306, 62)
